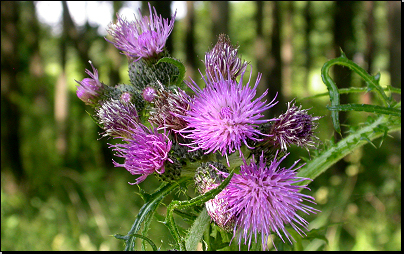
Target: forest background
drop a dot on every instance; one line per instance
(59, 189)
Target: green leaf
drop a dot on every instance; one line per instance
(178, 64)
(197, 230)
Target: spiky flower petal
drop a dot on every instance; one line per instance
(295, 126)
(223, 59)
(263, 199)
(145, 152)
(224, 115)
(143, 38)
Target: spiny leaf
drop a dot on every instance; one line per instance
(178, 64)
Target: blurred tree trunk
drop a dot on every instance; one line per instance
(261, 51)
(394, 14)
(220, 18)
(369, 53)
(190, 61)
(307, 51)
(163, 8)
(343, 39)
(370, 42)
(61, 93)
(10, 88)
(275, 62)
(286, 53)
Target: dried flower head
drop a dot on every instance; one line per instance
(145, 152)
(295, 126)
(117, 118)
(143, 38)
(224, 115)
(263, 199)
(168, 109)
(90, 89)
(223, 59)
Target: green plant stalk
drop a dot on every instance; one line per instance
(367, 108)
(357, 139)
(372, 81)
(170, 223)
(147, 210)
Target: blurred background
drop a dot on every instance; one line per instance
(59, 189)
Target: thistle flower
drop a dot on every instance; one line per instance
(117, 118)
(90, 89)
(224, 115)
(143, 38)
(145, 152)
(263, 199)
(295, 126)
(223, 59)
(168, 109)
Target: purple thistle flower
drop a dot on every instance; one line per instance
(223, 59)
(117, 118)
(90, 88)
(263, 199)
(143, 38)
(224, 115)
(145, 152)
(295, 126)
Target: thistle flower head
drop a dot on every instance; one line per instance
(263, 199)
(143, 38)
(117, 118)
(224, 115)
(295, 126)
(145, 152)
(223, 59)
(90, 89)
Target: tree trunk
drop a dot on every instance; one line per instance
(190, 61)
(220, 18)
(394, 14)
(307, 51)
(275, 63)
(10, 88)
(343, 39)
